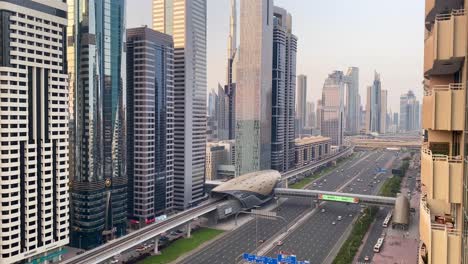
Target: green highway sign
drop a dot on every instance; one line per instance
(336, 198)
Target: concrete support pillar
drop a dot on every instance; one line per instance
(156, 246)
(189, 229)
(286, 183)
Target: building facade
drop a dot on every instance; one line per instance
(332, 114)
(253, 87)
(374, 106)
(352, 101)
(150, 123)
(34, 131)
(301, 102)
(409, 112)
(96, 69)
(283, 91)
(443, 225)
(311, 149)
(185, 21)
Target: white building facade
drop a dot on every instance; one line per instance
(34, 131)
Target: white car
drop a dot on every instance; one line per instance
(323, 210)
(339, 218)
(333, 223)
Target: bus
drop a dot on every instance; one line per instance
(386, 222)
(378, 245)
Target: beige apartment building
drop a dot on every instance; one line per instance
(311, 149)
(444, 179)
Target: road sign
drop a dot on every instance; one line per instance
(267, 260)
(336, 198)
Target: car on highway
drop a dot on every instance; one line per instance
(279, 243)
(339, 218)
(333, 223)
(366, 258)
(323, 210)
(261, 241)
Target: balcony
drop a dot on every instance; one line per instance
(450, 35)
(443, 107)
(442, 175)
(441, 241)
(447, 40)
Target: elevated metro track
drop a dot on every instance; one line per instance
(115, 247)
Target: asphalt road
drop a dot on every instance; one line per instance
(316, 237)
(374, 234)
(245, 238)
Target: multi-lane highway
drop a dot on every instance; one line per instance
(318, 235)
(245, 238)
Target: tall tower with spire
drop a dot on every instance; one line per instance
(230, 88)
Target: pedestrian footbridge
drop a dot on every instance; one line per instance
(336, 196)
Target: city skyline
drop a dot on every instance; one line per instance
(373, 47)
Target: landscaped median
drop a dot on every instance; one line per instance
(348, 250)
(182, 246)
(352, 244)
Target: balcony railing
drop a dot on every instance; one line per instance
(441, 176)
(443, 107)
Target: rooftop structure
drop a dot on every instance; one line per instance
(250, 189)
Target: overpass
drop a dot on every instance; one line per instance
(387, 143)
(336, 196)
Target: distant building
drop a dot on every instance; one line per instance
(220, 160)
(311, 149)
(374, 106)
(318, 114)
(301, 102)
(352, 100)
(409, 112)
(333, 116)
(254, 87)
(310, 113)
(283, 91)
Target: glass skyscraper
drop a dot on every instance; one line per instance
(150, 123)
(96, 63)
(332, 109)
(253, 87)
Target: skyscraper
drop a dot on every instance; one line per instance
(318, 114)
(374, 106)
(253, 90)
(352, 100)
(34, 131)
(283, 91)
(301, 109)
(443, 223)
(96, 66)
(185, 20)
(333, 119)
(230, 88)
(409, 112)
(150, 123)
(383, 112)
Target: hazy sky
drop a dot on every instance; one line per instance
(382, 35)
